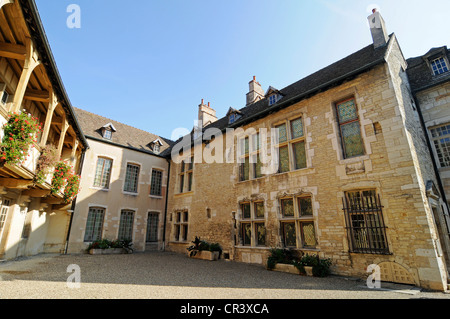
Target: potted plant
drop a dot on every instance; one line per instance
(47, 160)
(282, 260)
(204, 250)
(19, 135)
(107, 247)
(314, 266)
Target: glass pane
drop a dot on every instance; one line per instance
(94, 225)
(258, 167)
(260, 234)
(155, 188)
(289, 235)
(181, 183)
(300, 155)
(246, 214)
(282, 133)
(259, 210)
(126, 225)
(308, 235)
(284, 159)
(347, 111)
(131, 178)
(297, 128)
(353, 143)
(247, 234)
(305, 206)
(287, 207)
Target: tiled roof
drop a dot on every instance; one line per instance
(419, 72)
(125, 135)
(332, 75)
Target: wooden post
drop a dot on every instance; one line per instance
(31, 62)
(48, 120)
(64, 128)
(74, 151)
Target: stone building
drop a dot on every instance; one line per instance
(32, 220)
(123, 186)
(354, 180)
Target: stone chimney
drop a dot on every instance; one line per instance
(256, 92)
(206, 115)
(378, 29)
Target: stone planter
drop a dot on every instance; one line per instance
(291, 269)
(205, 255)
(309, 271)
(109, 251)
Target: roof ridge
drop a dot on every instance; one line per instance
(109, 119)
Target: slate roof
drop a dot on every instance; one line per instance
(322, 80)
(125, 136)
(420, 74)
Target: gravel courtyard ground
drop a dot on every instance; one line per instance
(164, 275)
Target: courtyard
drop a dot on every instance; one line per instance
(165, 275)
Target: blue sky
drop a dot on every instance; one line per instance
(148, 63)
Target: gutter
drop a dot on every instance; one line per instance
(165, 208)
(74, 203)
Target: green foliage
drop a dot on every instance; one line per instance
(19, 135)
(320, 267)
(60, 176)
(281, 256)
(106, 244)
(47, 160)
(202, 245)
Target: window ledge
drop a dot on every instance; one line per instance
(100, 189)
(130, 193)
(184, 194)
(252, 247)
(155, 196)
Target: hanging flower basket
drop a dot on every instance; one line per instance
(19, 135)
(72, 188)
(62, 170)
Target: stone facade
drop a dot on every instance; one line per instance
(396, 165)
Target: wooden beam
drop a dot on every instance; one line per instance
(16, 183)
(37, 95)
(53, 103)
(31, 62)
(13, 51)
(36, 193)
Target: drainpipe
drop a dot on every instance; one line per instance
(165, 209)
(74, 203)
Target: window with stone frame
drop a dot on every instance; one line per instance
(253, 226)
(126, 225)
(365, 223)
(94, 224)
(297, 222)
(350, 128)
(132, 178)
(181, 226)
(4, 210)
(156, 183)
(439, 66)
(441, 140)
(103, 173)
(186, 176)
(291, 145)
(244, 159)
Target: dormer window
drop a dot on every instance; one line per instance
(439, 66)
(273, 99)
(273, 95)
(155, 146)
(107, 134)
(233, 115)
(107, 131)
